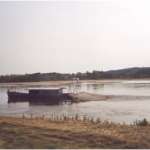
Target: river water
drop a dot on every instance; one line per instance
(123, 109)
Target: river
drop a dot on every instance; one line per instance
(124, 109)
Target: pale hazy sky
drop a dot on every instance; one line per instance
(73, 36)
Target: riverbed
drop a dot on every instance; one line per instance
(122, 108)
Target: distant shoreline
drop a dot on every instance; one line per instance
(69, 81)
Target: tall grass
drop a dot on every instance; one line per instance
(71, 132)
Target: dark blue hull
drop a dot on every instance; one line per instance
(23, 97)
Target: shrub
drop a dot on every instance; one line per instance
(144, 122)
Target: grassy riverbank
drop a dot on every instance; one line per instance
(40, 133)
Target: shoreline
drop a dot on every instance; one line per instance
(69, 81)
(64, 133)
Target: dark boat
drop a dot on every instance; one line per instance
(53, 95)
(37, 94)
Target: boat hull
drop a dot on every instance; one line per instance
(25, 97)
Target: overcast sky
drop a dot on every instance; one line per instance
(71, 37)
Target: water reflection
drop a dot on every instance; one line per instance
(50, 103)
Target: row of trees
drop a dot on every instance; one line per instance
(142, 73)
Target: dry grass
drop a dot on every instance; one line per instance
(41, 132)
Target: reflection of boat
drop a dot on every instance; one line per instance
(38, 94)
(47, 102)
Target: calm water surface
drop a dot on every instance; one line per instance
(124, 109)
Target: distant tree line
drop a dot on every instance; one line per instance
(35, 77)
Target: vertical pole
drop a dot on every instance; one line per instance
(76, 85)
(70, 86)
(75, 88)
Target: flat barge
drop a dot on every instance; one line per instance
(36, 94)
